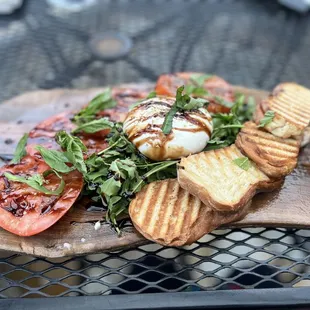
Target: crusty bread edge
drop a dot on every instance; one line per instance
(270, 170)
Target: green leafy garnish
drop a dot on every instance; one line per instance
(182, 103)
(55, 159)
(151, 95)
(249, 108)
(94, 126)
(20, 151)
(267, 119)
(101, 102)
(199, 79)
(37, 182)
(223, 102)
(196, 86)
(243, 162)
(227, 126)
(74, 150)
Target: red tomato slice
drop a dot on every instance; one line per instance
(25, 211)
(125, 97)
(44, 133)
(167, 85)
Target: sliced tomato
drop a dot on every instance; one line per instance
(44, 134)
(125, 97)
(167, 85)
(25, 211)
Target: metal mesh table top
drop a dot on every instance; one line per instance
(46, 44)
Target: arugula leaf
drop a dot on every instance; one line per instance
(36, 181)
(99, 103)
(55, 159)
(110, 187)
(243, 162)
(20, 151)
(94, 126)
(227, 126)
(125, 168)
(74, 150)
(267, 119)
(182, 103)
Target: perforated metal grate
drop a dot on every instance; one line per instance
(253, 43)
(222, 260)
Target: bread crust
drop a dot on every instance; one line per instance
(276, 157)
(291, 104)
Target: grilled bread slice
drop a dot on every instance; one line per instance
(218, 181)
(291, 104)
(167, 214)
(276, 157)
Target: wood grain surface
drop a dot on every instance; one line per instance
(74, 234)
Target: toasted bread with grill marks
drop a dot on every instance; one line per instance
(218, 182)
(167, 214)
(276, 157)
(291, 104)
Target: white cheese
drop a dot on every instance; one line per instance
(191, 130)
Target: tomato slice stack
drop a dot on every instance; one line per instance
(167, 85)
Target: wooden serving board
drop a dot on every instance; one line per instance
(74, 234)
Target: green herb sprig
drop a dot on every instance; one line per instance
(20, 150)
(196, 85)
(243, 162)
(227, 126)
(94, 126)
(37, 182)
(182, 103)
(99, 103)
(267, 119)
(75, 150)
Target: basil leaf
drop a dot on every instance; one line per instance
(196, 91)
(20, 151)
(74, 150)
(224, 102)
(243, 162)
(167, 125)
(182, 103)
(125, 168)
(250, 108)
(195, 103)
(36, 181)
(99, 103)
(55, 159)
(199, 79)
(267, 119)
(94, 126)
(110, 187)
(151, 95)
